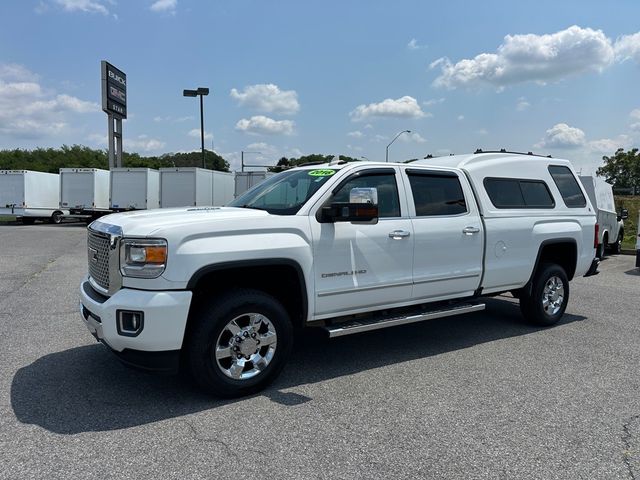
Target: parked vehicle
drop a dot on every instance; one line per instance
(347, 247)
(30, 196)
(223, 184)
(185, 187)
(247, 180)
(85, 192)
(610, 223)
(134, 189)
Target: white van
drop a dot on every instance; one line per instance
(610, 223)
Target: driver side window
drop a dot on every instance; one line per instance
(385, 183)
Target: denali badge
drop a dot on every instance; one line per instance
(343, 274)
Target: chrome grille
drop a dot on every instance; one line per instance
(98, 256)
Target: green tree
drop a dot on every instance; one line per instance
(622, 170)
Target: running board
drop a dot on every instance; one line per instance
(357, 326)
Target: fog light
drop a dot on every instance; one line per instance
(129, 323)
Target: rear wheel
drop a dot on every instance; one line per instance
(616, 247)
(56, 218)
(545, 302)
(239, 343)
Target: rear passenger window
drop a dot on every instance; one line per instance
(435, 194)
(518, 193)
(568, 186)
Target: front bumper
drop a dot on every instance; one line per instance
(158, 344)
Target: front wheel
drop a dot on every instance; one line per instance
(239, 343)
(56, 218)
(548, 296)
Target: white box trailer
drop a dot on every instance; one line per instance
(134, 189)
(84, 191)
(611, 225)
(223, 188)
(30, 195)
(185, 187)
(247, 180)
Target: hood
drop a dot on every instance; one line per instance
(149, 222)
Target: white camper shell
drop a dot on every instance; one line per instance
(30, 195)
(611, 225)
(134, 189)
(84, 191)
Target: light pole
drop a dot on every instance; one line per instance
(386, 158)
(242, 152)
(200, 92)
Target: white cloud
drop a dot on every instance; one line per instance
(168, 6)
(610, 145)
(98, 139)
(355, 148)
(482, 131)
(368, 126)
(525, 58)
(562, 135)
(88, 6)
(169, 118)
(267, 98)
(208, 136)
(142, 144)
(356, 134)
(522, 104)
(413, 45)
(403, 107)
(460, 118)
(260, 124)
(412, 138)
(380, 138)
(27, 111)
(433, 101)
(635, 114)
(628, 47)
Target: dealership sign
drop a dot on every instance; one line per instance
(114, 91)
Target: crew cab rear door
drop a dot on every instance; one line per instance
(448, 233)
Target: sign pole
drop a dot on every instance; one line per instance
(118, 139)
(114, 104)
(112, 161)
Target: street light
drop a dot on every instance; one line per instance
(242, 152)
(200, 92)
(394, 139)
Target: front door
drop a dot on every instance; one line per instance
(362, 266)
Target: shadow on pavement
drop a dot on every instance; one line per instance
(86, 389)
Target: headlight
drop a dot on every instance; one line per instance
(143, 257)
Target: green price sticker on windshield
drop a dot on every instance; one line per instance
(322, 173)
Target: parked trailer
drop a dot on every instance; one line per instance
(30, 195)
(185, 187)
(247, 180)
(610, 223)
(85, 192)
(223, 187)
(134, 189)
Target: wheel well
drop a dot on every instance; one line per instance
(605, 238)
(283, 281)
(563, 253)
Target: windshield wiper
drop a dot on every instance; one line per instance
(253, 207)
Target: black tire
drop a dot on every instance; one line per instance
(600, 251)
(531, 304)
(56, 218)
(28, 220)
(616, 247)
(209, 323)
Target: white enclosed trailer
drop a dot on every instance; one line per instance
(247, 180)
(85, 191)
(610, 224)
(223, 188)
(30, 195)
(134, 189)
(185, 187)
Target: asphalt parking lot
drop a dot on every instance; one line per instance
(478, 396)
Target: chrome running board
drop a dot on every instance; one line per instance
(358, 326)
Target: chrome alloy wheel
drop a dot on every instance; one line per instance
(553, 295)
(246, 346)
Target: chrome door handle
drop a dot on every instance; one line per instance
(470, 230)
(399, 234)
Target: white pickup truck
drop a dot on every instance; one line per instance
(346, 247)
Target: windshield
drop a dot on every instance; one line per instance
(284, 193)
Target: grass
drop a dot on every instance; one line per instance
(6, 219)
(631, 203)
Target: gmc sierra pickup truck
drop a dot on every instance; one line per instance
(347, 247)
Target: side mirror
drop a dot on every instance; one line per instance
(362, 207)
(624, 214)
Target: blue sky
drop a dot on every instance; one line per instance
(296, 77)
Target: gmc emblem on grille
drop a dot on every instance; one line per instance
(93, 255)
